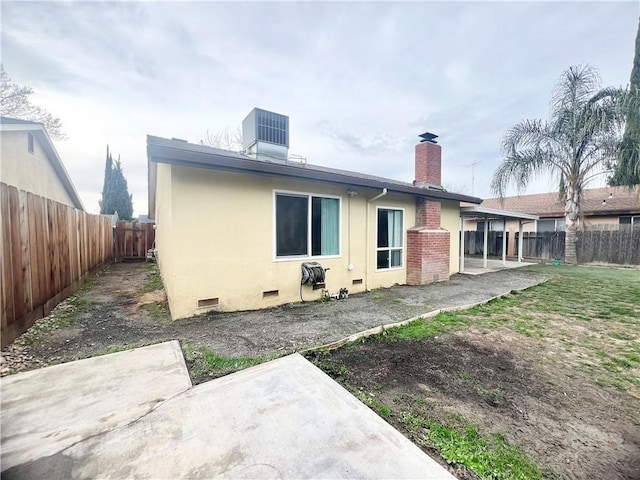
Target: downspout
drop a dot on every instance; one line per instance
(367, 247)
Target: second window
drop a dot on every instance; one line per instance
(390, 238)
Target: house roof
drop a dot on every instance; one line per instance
(37, 129)
(595, 202)
(180, 152)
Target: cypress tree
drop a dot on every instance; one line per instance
(627, 170)
(105, 201)
(115, 192)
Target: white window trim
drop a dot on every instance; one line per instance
(404, 242)
(308, 195)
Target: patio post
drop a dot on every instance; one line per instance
(461, 242)
(486, 239)
(504, 241)
(520, 240)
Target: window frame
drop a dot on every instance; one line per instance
(555, 221)
(308, 196)
(403, 249)
(634, 220)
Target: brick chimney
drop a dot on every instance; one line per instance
(428, 162)
(428, 244)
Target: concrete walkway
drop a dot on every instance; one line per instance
(304, 325)
(134, 415)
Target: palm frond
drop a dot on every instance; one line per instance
(575, 88)
(529, 149)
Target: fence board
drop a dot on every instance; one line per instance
(47, 251)
(16, 254)
(8, 310)
(25, 252)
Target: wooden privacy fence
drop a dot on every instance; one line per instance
(543, 245)
(609, 246)
(605, 245)
(133, 240)
(47, 250)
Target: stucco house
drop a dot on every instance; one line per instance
(30, 162)
(233, 229)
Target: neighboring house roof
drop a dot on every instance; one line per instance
(595, 202)
(37, 129)
(180, 152)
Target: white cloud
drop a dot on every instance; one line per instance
(359, 81)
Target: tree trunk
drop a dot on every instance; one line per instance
(571, 215)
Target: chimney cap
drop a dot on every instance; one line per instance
(428, 137)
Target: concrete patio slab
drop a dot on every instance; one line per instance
(45, 411)
(475, 266)
(281, 419)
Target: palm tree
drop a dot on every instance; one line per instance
(577, 143)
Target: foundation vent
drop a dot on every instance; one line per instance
(208, 302)
(357, 281)
(270, 293)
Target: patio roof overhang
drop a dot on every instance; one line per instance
(487, 214)
(494, 214)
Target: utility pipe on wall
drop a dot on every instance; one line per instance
(384, 192)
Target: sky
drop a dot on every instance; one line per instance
(359, 81)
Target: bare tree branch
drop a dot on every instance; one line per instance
(15, 103)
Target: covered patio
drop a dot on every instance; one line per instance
(475, 266)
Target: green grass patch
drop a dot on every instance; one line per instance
(160, 313)
(373, 403)
(419, 329)
(459, 442)
(152, 281)
(206, 362)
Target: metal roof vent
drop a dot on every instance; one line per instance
(265, 135)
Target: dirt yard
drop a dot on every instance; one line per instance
(561, 381)
(553, 371)
(124, 307)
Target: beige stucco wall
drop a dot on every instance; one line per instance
(450, 220)
(605, 221)
(215, 239)
(164, 237)
(31, 172)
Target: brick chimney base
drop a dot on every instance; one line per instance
(428, 253)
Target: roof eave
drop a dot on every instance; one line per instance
(188, 158)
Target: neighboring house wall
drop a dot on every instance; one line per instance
(28, 171)
(602, 220)
(215, 240)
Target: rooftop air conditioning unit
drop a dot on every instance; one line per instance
(265, 135)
